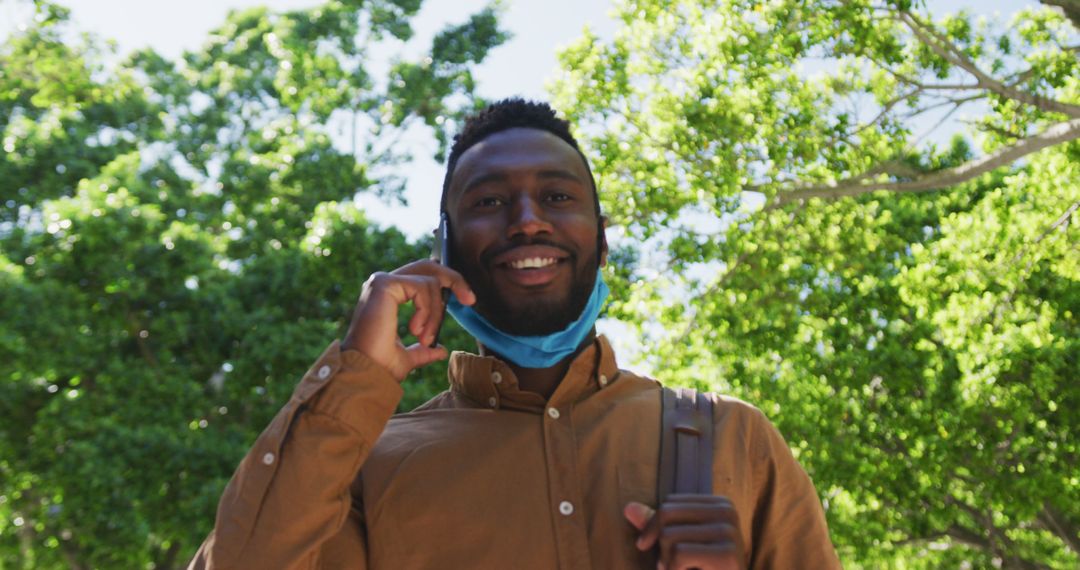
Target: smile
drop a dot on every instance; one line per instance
(530, 257)
(533, 263)
(531, 266)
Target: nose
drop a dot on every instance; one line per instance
(527, 219)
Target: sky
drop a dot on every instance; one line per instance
(519, 67)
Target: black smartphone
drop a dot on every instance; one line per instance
(440, 252)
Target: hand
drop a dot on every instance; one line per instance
(373, 329)
(692, 531)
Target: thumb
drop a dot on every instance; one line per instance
(638, 514)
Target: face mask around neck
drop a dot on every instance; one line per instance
(533, 351)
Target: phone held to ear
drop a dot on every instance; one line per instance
(441, 253)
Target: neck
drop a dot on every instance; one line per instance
(543, 381)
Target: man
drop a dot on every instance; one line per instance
(542, 454)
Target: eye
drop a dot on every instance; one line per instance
(488, 202)
(558, 196)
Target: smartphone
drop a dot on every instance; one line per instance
(440, 252)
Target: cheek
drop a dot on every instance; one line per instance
(584, 232)
(469, 242)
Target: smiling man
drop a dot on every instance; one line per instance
(542, 453)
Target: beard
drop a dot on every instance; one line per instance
(534, 316)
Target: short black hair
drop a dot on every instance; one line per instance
(511, 113)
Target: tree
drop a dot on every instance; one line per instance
(902, 304)
(178, 242)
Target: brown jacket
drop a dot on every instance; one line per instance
(488, 476)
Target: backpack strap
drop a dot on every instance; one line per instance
(686, 443)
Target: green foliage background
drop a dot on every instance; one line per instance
(178, 241)
(904, 307)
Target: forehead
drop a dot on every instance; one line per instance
(514, 152)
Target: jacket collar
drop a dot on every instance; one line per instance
(491, 383)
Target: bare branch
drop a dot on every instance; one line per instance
(999, 131)
(1055, 134)
(948, 86)
(941, 121)
(885, 110)
(957, 102)
(944, 48)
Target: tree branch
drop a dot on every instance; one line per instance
(134, 328)
(961, 534)
(885, 110)
(954, 101)
(944, 48)
(1001, 132)
(1061, 220)
(166, 558)
(1055, 134)
(1059, 525)
(944, 118)
(1071, 8)
(948, 86)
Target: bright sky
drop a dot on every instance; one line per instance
(519, 67)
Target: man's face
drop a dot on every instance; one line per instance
(526, 233)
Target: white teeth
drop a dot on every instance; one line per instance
(532, 262)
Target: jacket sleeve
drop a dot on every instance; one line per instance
(288, 505)
(788, 524)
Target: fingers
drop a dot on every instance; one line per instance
(638, 514)
(422, 354)
(447, 279)
(462, 291)
(426, 296)
(374, 327)
(691, 546)
(428, 280)
(691, 531)
(686, 556)
(687, 509)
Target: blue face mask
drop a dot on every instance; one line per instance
(532, 351)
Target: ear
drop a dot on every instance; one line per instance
(601, 240)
